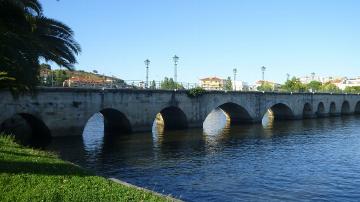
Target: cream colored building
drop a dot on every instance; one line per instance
(212, 83)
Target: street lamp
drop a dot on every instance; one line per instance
(313, 76)
(263, 74)
(234, 71)
(287, 77)
(175, 59)
(147, 62)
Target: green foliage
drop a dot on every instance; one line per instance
(60, 76)
(265, 86)
(330, 88)
(196, 92)
(228, 84)
(26, 35)
(153, 85)
(5, 80)
(45, 66)
(34, 175)
(352, 89)
(169, 84)
(294, 85)
(314, 86)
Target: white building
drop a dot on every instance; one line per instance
(348, 83)
(241, 86)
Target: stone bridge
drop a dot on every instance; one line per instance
(65, 111)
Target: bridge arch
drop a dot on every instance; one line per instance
(307, 110)
(332, 110)
(320, 112)
(280, 111)
(173, 118)
(28, 129)
(345, 108)
(114, 121)
(357, 108)
(236, 113)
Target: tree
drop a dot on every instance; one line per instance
(228, 84)
(26, 35)
(5, 80)
(153, 85)
(265, 86)
(314, 86)
(169, 84)
(330, 88)
(45, 66)
(352, 89)
(60, 76)
(294, 85)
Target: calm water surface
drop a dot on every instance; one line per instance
(315, 159)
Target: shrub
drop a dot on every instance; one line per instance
(196, 92)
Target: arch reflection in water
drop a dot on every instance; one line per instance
(268, 119)
(216, 122)
(107, 122)
(93, 134)
(110, 148)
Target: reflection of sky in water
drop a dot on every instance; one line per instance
(94, 132)
(268, 119)
(216, 122)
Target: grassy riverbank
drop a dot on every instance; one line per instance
(32, 175)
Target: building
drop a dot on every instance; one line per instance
(212, 83)
(332, 79)
(348, 83)
(241, 86)
(275, 86)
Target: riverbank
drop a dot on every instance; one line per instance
(32, 175)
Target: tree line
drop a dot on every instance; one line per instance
(295, 85)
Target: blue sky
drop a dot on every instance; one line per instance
(212, 37)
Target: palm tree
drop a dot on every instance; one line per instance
(26, 36)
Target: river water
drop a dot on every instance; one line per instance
(317, 159)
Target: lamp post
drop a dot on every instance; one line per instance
(263, 68)
(287, 77)
(147, 62)
(313, 76)
(176, 60)
(234, 71)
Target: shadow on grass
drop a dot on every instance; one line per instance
(17, 167)
(23, 154)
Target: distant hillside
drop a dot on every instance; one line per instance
(77, 78)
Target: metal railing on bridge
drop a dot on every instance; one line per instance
(159, 85)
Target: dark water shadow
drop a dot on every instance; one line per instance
(16, 167)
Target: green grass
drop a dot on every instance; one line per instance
(33, 175)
